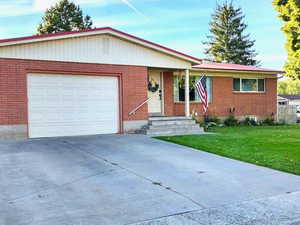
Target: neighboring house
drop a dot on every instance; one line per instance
(293, 99)
(104, 81)
(282, 101)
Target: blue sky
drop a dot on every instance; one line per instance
(178, 24)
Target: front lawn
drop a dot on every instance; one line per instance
(277, 147)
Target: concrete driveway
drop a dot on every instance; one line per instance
(133, 179)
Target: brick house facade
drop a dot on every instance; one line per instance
(131, 62)
(258, 104)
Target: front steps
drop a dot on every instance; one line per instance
(169, 126)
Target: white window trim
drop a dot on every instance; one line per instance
(264, 91)
(199, 101)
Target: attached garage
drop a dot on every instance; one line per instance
(69, 105)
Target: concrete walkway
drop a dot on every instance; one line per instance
(133, 179)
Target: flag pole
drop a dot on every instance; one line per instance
(202, 92)
(206, 116)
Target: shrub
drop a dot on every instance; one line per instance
(215, 120)
(268, 121)
(231, 121)
(210, 122)
(248, 122)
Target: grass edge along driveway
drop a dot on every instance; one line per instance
(276, 147)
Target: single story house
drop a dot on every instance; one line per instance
(102, 81)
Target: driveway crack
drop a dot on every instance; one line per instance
(166, 216)
(293, 221)
(134, 173)
(11, 201)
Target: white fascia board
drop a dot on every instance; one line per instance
(233, 71)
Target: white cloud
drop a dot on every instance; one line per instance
(15, 8)
(126, 2)
(41, 5)
(25, 7)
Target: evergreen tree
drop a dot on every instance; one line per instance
(227, 41)
(289, 13)
(64, 16)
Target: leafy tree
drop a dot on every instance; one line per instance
(227, 41)
(289, 87)
(64, 16)
(289, 13)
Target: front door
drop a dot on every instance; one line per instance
(155, 93)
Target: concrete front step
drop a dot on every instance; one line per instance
(174, 126)
(172, 122)
(174, 133)
(154, 118)
(169, 126)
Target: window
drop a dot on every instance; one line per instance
(282, 103)
(248, 85)
(179, 88)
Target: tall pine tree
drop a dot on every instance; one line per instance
(227, 41)
(64, 16)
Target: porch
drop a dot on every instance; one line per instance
(160, 92)
(167, 115)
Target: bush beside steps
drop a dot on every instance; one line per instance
(232, 121)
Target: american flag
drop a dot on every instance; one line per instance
(202, 92)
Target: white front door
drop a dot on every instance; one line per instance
(69, 105)
(155, 93)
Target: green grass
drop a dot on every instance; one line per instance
(277, 147)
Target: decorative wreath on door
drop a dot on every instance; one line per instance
(153, 86)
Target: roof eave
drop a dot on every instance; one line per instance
(238, 71)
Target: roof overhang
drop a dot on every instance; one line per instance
(275, 72)
(97, 31)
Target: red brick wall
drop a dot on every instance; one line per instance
(223, 98)
(13, 90)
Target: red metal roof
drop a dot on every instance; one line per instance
(39, 37)
(234, 67)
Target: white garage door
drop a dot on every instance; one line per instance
(69, 105)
